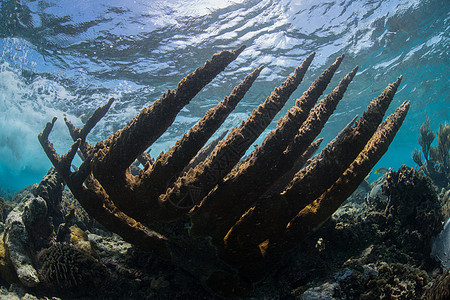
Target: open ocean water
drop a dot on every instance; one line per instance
(65, 58)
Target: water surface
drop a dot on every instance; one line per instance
(60, 59)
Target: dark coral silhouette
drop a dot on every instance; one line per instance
(243, 215)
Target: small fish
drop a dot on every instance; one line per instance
(381, 171)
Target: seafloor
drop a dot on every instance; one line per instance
(378, 245)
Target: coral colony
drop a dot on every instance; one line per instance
(437, 158)
(225, 219)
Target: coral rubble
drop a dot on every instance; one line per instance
(240, 206)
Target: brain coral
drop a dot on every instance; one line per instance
(63, 267)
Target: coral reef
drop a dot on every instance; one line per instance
(29, 227)
(388, 281)
(437, 158)
(32, 217)
(237, 205)
(389, 257)
(412, 202)
(358, 253)
(372, 281)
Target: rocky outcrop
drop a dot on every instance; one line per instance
(28, 227)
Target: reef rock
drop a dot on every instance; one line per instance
(28, 227)
(18, 240)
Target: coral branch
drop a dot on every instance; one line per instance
(115, 155)
(225, 156)
(168, 166)
(81, 133)
(145, 159)
(334, 159)
(96, 202)
(234, 196)
(287, 179)
(299, 163)
(46, 145)
(310, 218)
(99, 113)
(205, 152)
(311, 181)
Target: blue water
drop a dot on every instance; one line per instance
(60, 59)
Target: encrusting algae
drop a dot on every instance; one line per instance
(252, 211)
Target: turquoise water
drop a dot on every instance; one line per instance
(60, 59)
